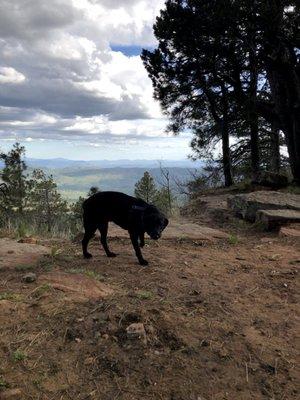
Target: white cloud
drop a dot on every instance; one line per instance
(10, 75)
(60, 79)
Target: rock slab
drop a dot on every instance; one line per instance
(13, 254)
(77, 287)
(273, 219)
(246, 205)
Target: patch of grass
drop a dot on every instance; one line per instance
(88, 273)
(38, 381)
(19, 355)
(24, 268)
(55, 256)
(10, 296)
(258, 226)
(46, 263)
(55, 252)
(40, 290)
(233, 239)
(144, 295)
(3, 383)
(22, 230)
(94, 275)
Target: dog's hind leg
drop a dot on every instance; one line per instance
(103, 228)
(89, 233)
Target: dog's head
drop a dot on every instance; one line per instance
(154, 222)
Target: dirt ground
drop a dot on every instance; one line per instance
(220, 319)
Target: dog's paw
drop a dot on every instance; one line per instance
(87, 255)
(143, 262)
(111, 254)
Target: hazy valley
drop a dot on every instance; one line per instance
(74, 178)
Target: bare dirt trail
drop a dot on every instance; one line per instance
(220, 318)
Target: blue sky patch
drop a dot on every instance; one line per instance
(129, 51)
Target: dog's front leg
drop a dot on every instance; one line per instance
(103, 227)
(142, 239)
(135, 243)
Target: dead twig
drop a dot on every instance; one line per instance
(247, 373)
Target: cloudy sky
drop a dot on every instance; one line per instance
(72, 83)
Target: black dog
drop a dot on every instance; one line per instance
(134, 215)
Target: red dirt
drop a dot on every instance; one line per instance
(220, 318)
(76, 287)
(13, 253)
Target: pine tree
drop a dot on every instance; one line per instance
(15, 179)
(46, 202)
(210, 65)
(146, 189)
(93, 190)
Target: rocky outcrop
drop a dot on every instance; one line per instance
(246, 205)
(273, 219)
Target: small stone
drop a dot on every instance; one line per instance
(266, 240)
(77, 340)
(136, 331)
(11, 394)
(29, 278)
(204, 343)
(105, 336)
(10, 252)
(223, 353)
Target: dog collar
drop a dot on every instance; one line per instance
(139, 208)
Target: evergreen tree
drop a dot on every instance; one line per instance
(146, 189)
(228, 64)
(165, 200)
(45, 200)
(93, 190)
(15, 179)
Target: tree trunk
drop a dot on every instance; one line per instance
(226, 155)
(227, 165)
(288, 110)
(283, 76)
(253, 114)
(254, 146)
(275, 149)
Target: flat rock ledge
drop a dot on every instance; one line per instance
(246, 205)
(273, 219)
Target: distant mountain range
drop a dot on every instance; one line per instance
(65, 163)
(74, 178)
